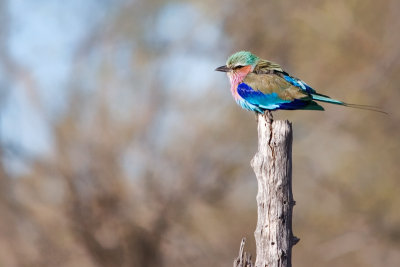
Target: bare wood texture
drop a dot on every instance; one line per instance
(244, 258)
(272, 165)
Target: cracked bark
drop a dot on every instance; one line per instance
(272, 165)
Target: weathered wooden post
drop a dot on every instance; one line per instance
(272, 165)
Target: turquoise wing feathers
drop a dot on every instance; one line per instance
(315, 96)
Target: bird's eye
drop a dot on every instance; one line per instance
(237, 67)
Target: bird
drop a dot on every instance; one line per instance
(262, 86)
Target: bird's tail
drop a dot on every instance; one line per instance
(327, 99)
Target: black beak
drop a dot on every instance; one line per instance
(223, 69)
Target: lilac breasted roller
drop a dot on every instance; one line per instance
(260, 85)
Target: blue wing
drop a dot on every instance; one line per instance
(298, 83)
(315, 96)
(256, 100)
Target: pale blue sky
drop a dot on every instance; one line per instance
(44, 36)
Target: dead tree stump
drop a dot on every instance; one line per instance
(272, 165)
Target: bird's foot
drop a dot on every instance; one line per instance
(268, 115)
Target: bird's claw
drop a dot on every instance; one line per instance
(268, 114)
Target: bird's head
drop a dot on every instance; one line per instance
(240, 61)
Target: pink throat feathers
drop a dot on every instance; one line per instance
(236, 77)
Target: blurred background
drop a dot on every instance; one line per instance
(121, 146)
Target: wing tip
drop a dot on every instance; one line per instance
(314, 106)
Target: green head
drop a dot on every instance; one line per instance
(239, 59)
(242, 58)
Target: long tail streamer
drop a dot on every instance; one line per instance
(327, 99)
(365, 107)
